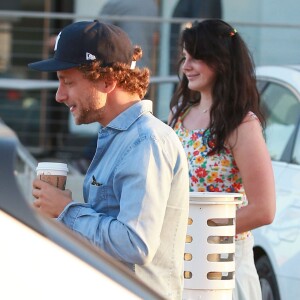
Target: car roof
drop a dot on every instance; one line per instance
(287, 74)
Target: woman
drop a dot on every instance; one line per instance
(215, 111)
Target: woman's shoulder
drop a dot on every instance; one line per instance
(250, 117)
(250, 122)
(250, 126)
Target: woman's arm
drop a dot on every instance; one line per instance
(253, 160)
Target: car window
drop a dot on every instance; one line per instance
(281, 108)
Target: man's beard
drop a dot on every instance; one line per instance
(85, 117)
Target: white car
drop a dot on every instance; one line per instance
(277, 246)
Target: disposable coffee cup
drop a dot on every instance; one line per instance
(53, 173)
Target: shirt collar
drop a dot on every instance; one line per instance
(125, 119)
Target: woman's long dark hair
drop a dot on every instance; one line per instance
(234, 93)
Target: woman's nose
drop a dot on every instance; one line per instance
(186, 65)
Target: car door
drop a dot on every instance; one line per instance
(280, 241)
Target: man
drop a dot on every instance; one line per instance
(136, 188)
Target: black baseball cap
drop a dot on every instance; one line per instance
(85, 41)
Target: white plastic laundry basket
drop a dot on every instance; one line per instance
(209, 264)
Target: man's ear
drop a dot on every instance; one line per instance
(109, 86)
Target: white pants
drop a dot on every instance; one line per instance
(247, 286)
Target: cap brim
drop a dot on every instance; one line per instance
(51, 65)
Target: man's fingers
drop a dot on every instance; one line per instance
(37, 203)
(36, 193)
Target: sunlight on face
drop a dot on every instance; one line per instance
(200, 75)
(83, 97)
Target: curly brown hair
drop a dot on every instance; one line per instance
(134, 81)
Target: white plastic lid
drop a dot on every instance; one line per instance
(52, 168)
(215, 197)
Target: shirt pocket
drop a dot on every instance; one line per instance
(98, 198)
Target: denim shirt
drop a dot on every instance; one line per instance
(136, 194)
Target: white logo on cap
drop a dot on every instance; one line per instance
(89, 56)
(56, 42)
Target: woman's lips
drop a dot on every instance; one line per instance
(191, 76)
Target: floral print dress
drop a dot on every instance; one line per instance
(210, 173)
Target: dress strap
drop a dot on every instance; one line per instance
(185, 112)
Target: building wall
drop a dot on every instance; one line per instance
(276, 42)
(274, 35)
(88, 7)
